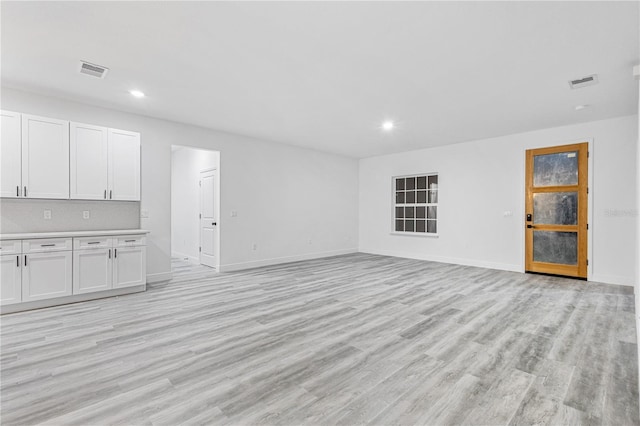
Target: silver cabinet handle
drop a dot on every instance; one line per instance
(25, 191)
(17, 261)
(111, 194)
(17, 191)
(109, 253)
(129, 241)
(115, 253)
(25, 260)
(93, 242)
(47, 245)
(105, 194)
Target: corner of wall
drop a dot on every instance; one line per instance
(637, 257)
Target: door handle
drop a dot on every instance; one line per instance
(530, 227)
(214, 223)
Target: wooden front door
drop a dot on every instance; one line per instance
(556, 210)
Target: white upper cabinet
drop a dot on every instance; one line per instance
(48, 158)
(45, 157)
(124, 165)
(10, 155)
(89, 165)
(105, 163)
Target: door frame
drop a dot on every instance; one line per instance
(216, 208)
(523, 196)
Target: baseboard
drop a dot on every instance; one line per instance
(159, 277)
(192, 259)
(47, 303)
(276, 260)
(612, 279)
(443, 259)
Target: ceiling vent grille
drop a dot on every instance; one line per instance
(93, 69)
(589, 80)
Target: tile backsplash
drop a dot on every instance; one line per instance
(27, 215)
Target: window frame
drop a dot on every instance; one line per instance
(394, 204)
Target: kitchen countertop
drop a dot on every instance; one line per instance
(70, 234)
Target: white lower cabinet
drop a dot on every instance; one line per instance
(53, 268)
(129, 266)
(46, 275)
(92, 270)
(10, 279)
(106, 263)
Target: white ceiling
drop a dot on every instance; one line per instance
(324, 75)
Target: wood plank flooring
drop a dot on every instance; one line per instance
(346, 340)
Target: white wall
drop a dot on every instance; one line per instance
(293, 203)
(480, 180)
(186, 165)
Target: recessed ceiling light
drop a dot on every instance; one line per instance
(581, 107)
(136, 93)
(387, 125)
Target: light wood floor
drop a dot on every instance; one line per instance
(346, 340)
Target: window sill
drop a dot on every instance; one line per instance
(415, 234)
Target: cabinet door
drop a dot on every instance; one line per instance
(129, 266)
(92, 270)
(10, 153)
(124, 165)
(45, 157)
(46, 275)
(10, 279)
(88, 157)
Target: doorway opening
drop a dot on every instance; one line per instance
(195, 210)
(557, 210)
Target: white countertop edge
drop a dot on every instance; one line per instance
(70, 234)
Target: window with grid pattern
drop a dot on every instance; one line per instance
(416, 204)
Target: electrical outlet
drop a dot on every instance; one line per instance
(254, 246)
(47, 214)
(144, 214)
(86, 214)
(234, 213)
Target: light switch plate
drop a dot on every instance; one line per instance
(47, 214)
(86, 214)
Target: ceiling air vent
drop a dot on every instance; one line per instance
(589, 80)
(93, 69)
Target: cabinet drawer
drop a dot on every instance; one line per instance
(11, 247)
(85, 243)
(129, 240)
(46, 244)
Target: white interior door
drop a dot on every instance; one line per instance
(208, 219)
